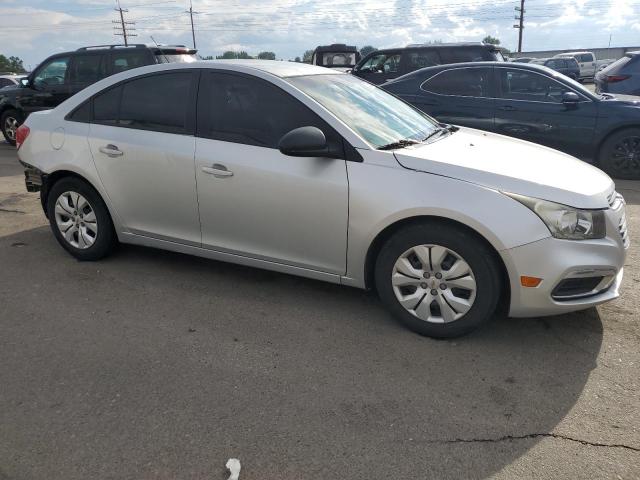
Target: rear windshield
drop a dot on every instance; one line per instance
(176, 57)
(339, 59)
(626, 64)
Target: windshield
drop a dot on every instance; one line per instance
(377, 116)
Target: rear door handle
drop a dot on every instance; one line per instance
(218, 170)
(111, 151)
(507, 108)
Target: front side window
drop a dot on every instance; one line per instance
(382, 63)
(586, 57)
(87, 69)
(377, 116)
(463, 82)
(251, 111)
(53, 73)
(530, 86)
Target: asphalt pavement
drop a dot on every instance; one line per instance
(156, 365)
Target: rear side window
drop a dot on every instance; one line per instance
(105, 106)
(625, 65)
(585, 57)
(250, 111)
(157, 102)
(421, 59)
(465, 54)
(462, 82)
(87, 69)
(126, 60)
(4, 82)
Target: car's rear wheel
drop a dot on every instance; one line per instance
(80, 220)
(10, 120)
(620, 154)
(439, 280)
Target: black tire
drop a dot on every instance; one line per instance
(469, 247)
(104, 240)
(620, 154)
(7, 116)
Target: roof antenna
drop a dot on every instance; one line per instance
(166, 60)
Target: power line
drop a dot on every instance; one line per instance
(122, 30)
(193, 32)
(520, 25)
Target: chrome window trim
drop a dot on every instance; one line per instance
(586, 99)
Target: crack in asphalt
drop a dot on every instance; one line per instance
(536, 435)
(8, 210)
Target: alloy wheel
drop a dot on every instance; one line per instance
(76, 220)
(625, 156)
(10, 127)
(434, 283)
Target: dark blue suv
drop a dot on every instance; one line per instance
(533, 103)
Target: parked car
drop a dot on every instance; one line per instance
(587, 62)
(566, 66)
(64, 74)
(298, 169)
(10, 80)
(337, 55)
(622, 76)
(384, 65)
(533, 103)
(523, 59)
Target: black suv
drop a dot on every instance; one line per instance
(64, 74)
(383, 65)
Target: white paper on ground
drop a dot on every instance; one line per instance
(233, 465)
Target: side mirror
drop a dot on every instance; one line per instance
(308, 142)
(570, 97)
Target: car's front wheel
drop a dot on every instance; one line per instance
(10, 120)
(438, 279)
(80, 220)
(620, 154)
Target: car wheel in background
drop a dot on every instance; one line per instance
(437, 279)
(620, 154)
(80, 220)
(10, 120)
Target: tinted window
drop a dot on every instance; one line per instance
(87, 69)
(382, 62)
(523, 85)
(5, 82)
(158, 102)
(52, 73)
(82, 113)
(585, 57)
(251, 111)
(121, 61)
(421, 59)
(105, 106)
(465, 82)
(465, 54)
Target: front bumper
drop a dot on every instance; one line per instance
(556, 260)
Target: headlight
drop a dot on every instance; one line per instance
(566, 222)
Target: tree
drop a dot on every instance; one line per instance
(267, 56)
(11, 64)
(491, 40)
(366, 50)
(230, 54)
(298, 60)
(306, 57)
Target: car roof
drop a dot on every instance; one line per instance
(274, 67)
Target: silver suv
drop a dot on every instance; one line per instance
(309, 171)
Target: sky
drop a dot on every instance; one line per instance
(35, 29)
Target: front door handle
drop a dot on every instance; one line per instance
(111, 151)
(218, 170)
(507, 108)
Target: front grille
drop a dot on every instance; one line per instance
(615, 200)
(622, 228)
(617, 204)
(575, 287)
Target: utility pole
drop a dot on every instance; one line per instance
(520, 25)
(122, 30)
(193, 32)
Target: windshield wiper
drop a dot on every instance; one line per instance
(405, 142)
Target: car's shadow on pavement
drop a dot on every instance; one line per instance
(153, 364)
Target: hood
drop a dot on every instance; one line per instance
(510, 165)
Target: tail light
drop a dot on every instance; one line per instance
(616, 78)
(21, 135)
